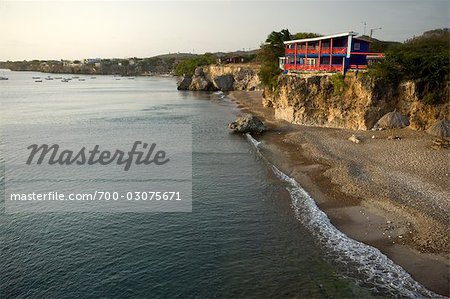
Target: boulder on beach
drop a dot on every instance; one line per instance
(440, 129)
(248, 123)
(392, 120)
(354, 139)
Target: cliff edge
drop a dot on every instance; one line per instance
(351, 102)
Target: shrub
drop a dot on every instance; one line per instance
(338, 83)
(188, 66)
(432, 98)
(425, 58)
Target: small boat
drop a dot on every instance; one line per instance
(64, 80)
(48, 78)
(81, 79)
(37, 80)
(36, 77)
(130, 78)
(58, 78)
(117, 78)
(3, 78)
(93, 77)
(75, 77)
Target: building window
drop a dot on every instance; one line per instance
(357, 46)
(325, 60)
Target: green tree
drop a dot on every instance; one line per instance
(268, 56)
(301, 35)
(271, 50)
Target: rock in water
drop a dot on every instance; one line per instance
(248, 123)
(200, 82)
(184, 83)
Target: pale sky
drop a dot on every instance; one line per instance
(90, 29)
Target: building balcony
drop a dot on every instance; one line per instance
(336, 50)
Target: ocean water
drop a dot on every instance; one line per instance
(249, 234)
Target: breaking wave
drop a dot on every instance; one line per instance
(364, 263)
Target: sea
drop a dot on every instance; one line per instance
(253, 232)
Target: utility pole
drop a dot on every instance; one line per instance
(372, 30)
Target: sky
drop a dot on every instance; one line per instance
(90, 29)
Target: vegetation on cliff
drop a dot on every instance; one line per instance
(424, 59)
(188, 66)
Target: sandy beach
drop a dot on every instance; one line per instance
(392, 194)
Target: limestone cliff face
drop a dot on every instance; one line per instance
(222, 77)
(352, 102)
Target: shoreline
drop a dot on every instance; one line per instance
(164, 75)
(375, 207)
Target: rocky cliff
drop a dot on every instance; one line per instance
(222, 77)
(354, 102)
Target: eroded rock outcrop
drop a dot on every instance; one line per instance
(224, 82)
(222, 77)
(184, 83)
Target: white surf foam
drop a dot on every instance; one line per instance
(364, 263)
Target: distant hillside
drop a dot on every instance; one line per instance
(157, 65)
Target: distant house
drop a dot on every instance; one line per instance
(332, 53)
(235, 59)
(92, 60)
(71, 63)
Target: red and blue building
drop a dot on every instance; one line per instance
(333, 53)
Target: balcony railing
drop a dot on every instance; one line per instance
(303, 67)
(357, 66)
(336, 50)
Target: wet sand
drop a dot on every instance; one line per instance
(391, 194)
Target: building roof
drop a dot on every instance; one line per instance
(321, 37)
